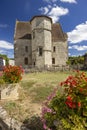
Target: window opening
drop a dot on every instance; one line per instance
(40, 51)
(26, 61)
(34, 63)
(54, 49)
(26, 48)
(53, 60)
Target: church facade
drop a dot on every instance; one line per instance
(40, 43)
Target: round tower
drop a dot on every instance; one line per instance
(41, 41)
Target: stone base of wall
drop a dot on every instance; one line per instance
(53, 68)
(10, 92)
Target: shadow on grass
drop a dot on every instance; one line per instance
(33, 123)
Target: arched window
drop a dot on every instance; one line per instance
(26, 61)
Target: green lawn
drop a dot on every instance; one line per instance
(40, 85)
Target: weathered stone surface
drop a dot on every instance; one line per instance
(45, 36)
(6, 122)
(10, 92)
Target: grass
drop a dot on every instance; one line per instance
(40, 94)
(39, 85)
(46, 77)
(35, 87)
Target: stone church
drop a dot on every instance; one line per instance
(40, 43)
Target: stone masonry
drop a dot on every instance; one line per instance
(8, 123)
(40, 43)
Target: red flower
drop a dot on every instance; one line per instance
(81, 89)
(61, 84)
(69, 98)
(70, 103)
(12, 74)
(79, 104)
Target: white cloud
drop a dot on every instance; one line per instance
(1, 51)
(79, 34)
(55, 11)
(6, 45)
(3, 25)
(54, 0)
(78, 48)
(69, 1)
(49, 1)
(65, 1)
(10, 54)
(44, 10)
(69, 54)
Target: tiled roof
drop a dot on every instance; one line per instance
(57, 33)
(22, 29)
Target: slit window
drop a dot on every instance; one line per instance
(53, 60)
(34, 63)
(26, 61)
(40, 51)
(54, 49)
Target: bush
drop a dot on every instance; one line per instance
(1, 78)
(67, 111)
(12, 74)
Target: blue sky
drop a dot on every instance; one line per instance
(71, 14)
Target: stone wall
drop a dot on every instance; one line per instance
(61, 53)
(48, 47)
(21, 53)
(10, 91)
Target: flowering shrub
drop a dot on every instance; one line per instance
(1, 78)
(69, 110)
(12, 74)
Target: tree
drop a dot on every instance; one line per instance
(76, 61)
(5, 58)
